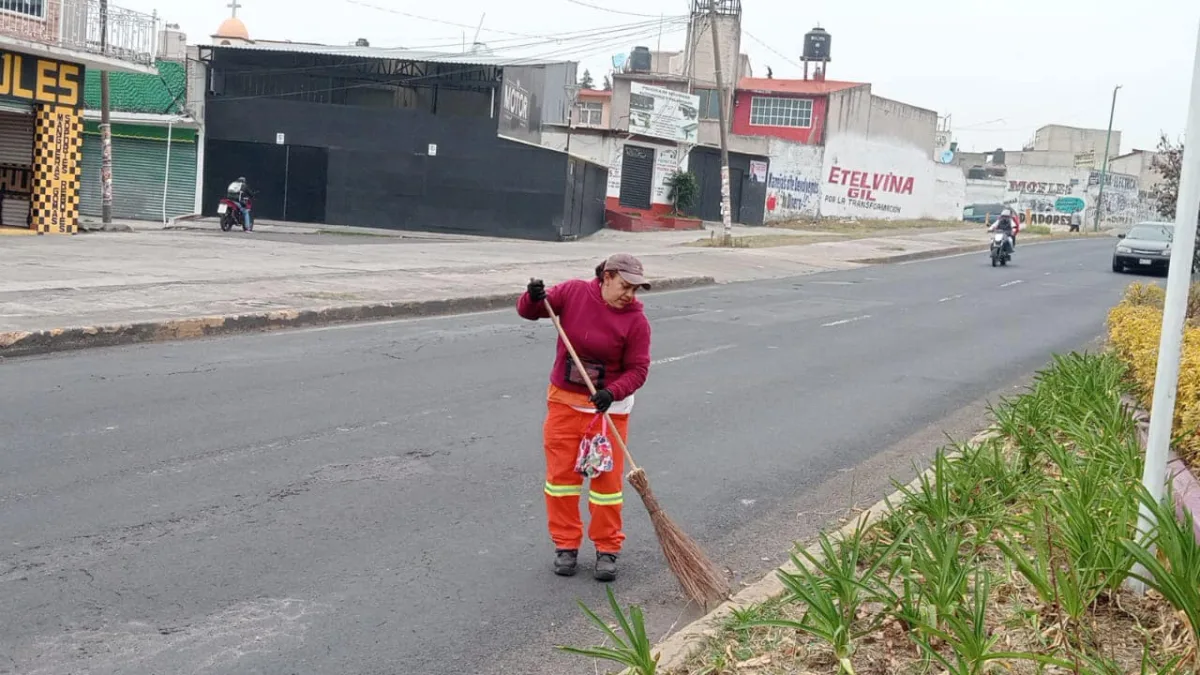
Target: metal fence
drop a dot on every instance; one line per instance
(130, 35)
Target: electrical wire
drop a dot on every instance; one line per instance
(589, 37)
(608, 9)
(533, 59)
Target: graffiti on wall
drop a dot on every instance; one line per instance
(867, 189)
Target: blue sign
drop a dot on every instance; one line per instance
(1069, 205)
(947, 156)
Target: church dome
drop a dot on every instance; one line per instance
(233, 28)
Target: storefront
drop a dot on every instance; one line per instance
(154, 171)
(40, 143)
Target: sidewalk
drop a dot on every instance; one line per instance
(136, 284)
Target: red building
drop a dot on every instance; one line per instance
(794, 110)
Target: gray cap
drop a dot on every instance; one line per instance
(629, 267)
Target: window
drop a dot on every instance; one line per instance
(34, 8)
(591, 114)
(767, 111)
(709, 104)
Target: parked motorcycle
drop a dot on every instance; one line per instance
(1000, 251)
(232, 213)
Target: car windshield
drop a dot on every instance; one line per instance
(1151, 233)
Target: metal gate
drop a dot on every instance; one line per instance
(140, 178)
(16, 149)
(637, 176)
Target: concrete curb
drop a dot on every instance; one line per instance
(24, 343)
(676, 650)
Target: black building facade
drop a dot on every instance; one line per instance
(370, 139)
(747, 196)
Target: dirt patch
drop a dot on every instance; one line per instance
(767, 240)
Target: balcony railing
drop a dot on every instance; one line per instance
(129, 37)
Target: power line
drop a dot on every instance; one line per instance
(533, 59)
(609, 9)
(562, 43)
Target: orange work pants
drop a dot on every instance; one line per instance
(565, 428)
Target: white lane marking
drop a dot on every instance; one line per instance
(692, 315)
(845, 321)
(1014, 282)
(984, 250)
(689, 355)
(952, 297)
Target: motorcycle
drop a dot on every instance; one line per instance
(1000, 251)
(232, 213)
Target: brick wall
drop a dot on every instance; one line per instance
(45, 30)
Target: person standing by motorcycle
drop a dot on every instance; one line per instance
(239, 191)
(1007, 223)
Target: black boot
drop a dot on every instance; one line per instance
(606, 567)
(565, 561)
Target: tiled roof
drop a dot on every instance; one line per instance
(809, 87)
(163, 94)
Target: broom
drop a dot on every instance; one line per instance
(697, 575)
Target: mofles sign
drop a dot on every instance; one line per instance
(39, 80)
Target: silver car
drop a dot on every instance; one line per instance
(1147, 246)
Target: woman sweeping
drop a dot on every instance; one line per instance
(605, 322)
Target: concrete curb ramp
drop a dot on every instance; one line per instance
(24, 343)
(676, 650)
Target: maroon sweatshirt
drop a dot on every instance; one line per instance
(614, 344)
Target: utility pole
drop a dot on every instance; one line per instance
(726, 208)
(1166, 378)
(106, 197)
(1104, 167)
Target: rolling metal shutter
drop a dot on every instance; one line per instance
(139, 170)
(16, 147)
(637, 176)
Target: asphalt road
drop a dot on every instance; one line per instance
(367, 498)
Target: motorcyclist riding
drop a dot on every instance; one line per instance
(240, 192)
(1007, 224)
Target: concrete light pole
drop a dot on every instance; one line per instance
(1166, 379)
(1104, 167)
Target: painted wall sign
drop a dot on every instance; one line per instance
(1069, 204)
(1038, 187)
(16, 180)
(40, 80)
(864, 187)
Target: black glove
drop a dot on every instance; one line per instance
(537, 290)
(602, 399)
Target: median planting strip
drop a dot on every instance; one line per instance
(1012, 551)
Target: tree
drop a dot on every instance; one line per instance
(607, 84)
(1169, 164)
(586, 81)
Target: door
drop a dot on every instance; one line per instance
(263, 165)
(637, 177)
(306, 175)
(16, 160)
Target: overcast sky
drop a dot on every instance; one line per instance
(1000, 68)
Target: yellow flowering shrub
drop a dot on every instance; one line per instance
(1134, 329)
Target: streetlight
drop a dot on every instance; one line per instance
(1104, 166)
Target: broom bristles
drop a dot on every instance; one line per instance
(696, 574)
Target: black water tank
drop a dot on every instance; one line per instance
(816, 45)
(639, 60)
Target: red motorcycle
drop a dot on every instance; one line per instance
(232, 213)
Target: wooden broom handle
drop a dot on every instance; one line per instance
(591, 387)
